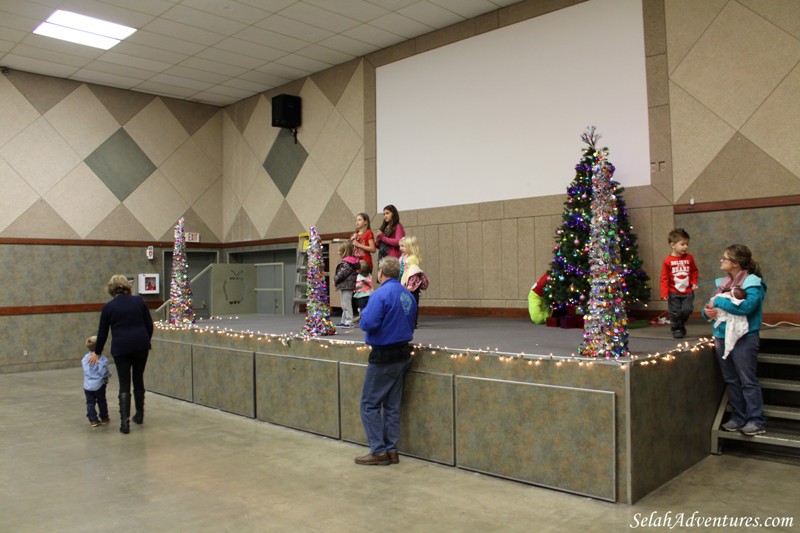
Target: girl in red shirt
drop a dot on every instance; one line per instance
(363, 240)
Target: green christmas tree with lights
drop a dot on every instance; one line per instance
(181, 311)
(567, 290)
(318, 311)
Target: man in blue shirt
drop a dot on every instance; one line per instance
(388, 320)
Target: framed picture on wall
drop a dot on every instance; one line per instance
(148, 284)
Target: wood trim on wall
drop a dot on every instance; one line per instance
(159, 244)
(63, 309)
(731, 205)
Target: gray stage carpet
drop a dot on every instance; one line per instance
(500, 335)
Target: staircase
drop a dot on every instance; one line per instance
(779, 375)
(301, 280)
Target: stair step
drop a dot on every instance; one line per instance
(779, 358)
(770, 437)
(779, 384)
(782, 411)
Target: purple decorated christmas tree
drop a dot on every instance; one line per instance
(568, 286)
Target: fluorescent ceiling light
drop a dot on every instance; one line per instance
(81, 29)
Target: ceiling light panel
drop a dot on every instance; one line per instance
(80, 29)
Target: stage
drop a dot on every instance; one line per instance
(502, 336)
(500, 396)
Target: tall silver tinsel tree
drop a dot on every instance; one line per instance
(318, 311)
(181, 310)
(605, 328)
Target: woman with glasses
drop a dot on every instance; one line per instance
(739, 296)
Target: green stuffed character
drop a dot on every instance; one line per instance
(537, 306)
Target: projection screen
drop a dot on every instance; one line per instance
(499, 116)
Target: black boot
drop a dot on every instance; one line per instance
(138, 399)
(124, 412)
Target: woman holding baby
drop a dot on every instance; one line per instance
(740, 293)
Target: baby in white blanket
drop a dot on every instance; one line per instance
(735, 325)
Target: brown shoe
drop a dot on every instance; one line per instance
(394, 457)
(381, 459)
(105, 421)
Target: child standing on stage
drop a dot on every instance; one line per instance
(345, 281)
(678, 282)
(363, 240)
(95, 379)
(411, 275)
(363, 287)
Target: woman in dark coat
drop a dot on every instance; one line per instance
(131, 325)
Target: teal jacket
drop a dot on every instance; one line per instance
(751, 307)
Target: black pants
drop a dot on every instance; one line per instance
(680, 309)
(130, 366)
(415, 294)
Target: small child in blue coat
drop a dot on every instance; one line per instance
(95, 379)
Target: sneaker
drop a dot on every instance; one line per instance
(94, 423)
(340, 325)
(751, 428)
(347, 326)
(732, 425)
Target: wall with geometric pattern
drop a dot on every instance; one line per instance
(276, 186)
(86, 162)
(734, 81)
(81, 161)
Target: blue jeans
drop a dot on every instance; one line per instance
(380, 404)
(739, 371)
(96, 397)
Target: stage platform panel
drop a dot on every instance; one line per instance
(482, 394)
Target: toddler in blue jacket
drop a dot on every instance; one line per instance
(95, 379)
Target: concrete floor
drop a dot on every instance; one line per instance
(190, 468)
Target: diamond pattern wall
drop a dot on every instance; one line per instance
(734, 73)
(80, 161)
(284, 161)
(120, 164)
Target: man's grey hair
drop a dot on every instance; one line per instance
(390, 266)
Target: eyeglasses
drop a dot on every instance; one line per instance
(723, 259)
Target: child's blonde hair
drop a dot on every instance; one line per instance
(363, 268)
(409, 242)
(346, 249)
(91, 343)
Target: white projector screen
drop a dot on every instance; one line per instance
(499, 116)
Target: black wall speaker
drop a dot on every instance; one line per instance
(286, 111)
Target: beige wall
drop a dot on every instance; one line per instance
(722, 76)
